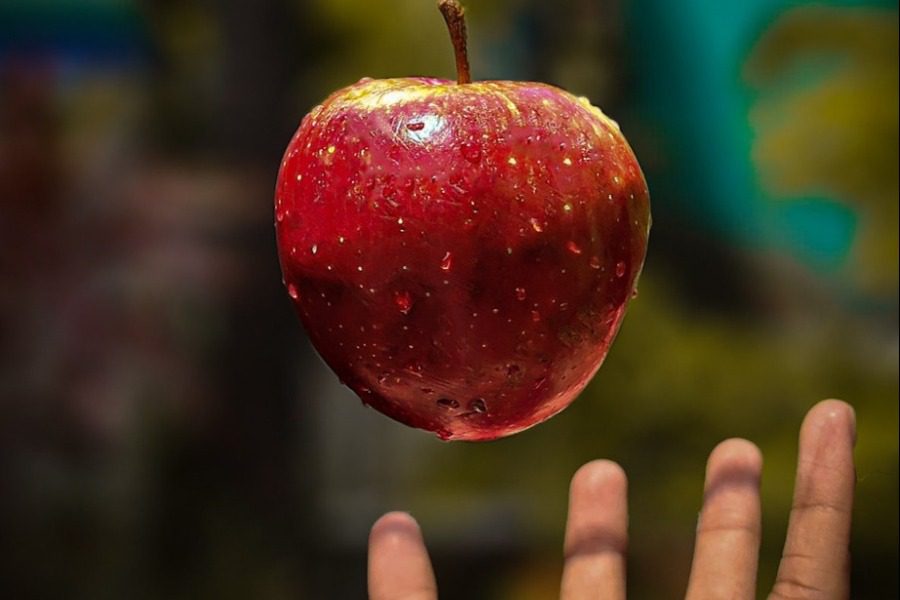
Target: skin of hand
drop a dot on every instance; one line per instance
(815, 563)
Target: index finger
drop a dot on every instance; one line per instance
(816, 559)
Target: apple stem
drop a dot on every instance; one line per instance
(454, 15)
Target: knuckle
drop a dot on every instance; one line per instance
(747, 527)
(821, 506)
(795, 589)
(797, 580)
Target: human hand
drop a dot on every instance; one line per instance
(815, 563)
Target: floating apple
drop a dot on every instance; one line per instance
(461, 253)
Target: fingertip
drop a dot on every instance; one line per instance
(830, 418)
(597, 476)
(396, 517)
(734, 454)
(833, 410)
(394, 528)
(734, 468)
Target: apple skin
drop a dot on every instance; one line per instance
(461, 254)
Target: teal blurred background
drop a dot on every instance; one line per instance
(166, 431)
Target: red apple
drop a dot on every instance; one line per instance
(461, 253)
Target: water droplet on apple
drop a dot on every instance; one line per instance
(447, 261)
(536, 225)
(595, 262)
(478, 406)
(620, 269)
(314, 249)
(448, 403)
(572, 247)
(292, 291)
(404, 302)
(535, 316)
(520, 293)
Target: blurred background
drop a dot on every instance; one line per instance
(167, 431)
